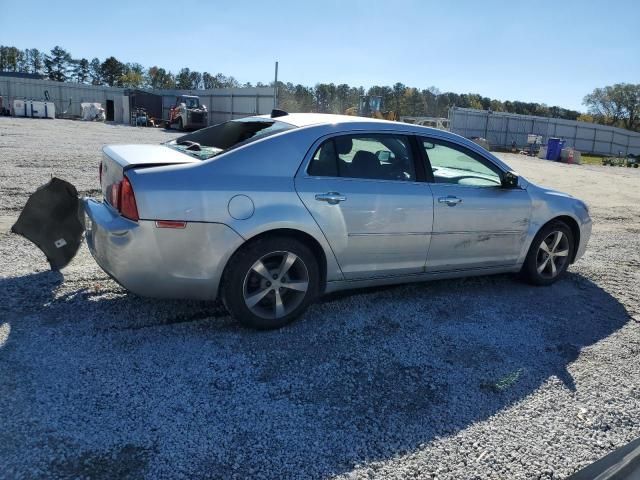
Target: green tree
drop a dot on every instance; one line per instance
(133, 76)
(342, 97)
(195, 79)
(22, 61)
(111, 71)
(617, 104)
(208, 81)
(36, 60)
(413, 103)
(398, 94)
(9, 58)
(57, 64)
(161, 78)
(227, 82)
(153, 77)
(95, 71)
(81, 70)
(183, 80)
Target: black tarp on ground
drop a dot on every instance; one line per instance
(53, 220)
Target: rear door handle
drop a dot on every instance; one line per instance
(332, 198)
(450, 200)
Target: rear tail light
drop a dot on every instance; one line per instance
(122, 198)
(100, 174)
(127, 205)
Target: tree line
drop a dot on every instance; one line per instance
(617, 105)
(59, 65)
(405, 100)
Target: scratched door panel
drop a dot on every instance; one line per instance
(486, 229)
(381, 228)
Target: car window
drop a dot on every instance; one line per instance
(378, 157)
(324, 162)
(228, 135)
(453, 164)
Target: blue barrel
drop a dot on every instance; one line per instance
(554, 147)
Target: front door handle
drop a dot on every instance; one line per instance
(332, 198)
(450, 200)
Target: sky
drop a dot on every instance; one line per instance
(552, 52)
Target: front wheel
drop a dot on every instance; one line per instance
(549, 254)
(270, 282)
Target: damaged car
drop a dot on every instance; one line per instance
(267, 213)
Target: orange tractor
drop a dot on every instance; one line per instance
(187, 114)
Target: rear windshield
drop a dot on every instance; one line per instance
(211, 141)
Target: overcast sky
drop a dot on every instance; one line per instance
(552, 52)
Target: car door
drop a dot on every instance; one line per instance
(363, 192)
(478, 223)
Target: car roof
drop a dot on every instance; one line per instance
(307, 119)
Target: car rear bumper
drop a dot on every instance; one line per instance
(159, 262)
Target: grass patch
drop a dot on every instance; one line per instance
(503, 383)
(591, 159)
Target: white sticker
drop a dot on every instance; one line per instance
(60, 243)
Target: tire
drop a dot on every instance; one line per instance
(544, 265)
(260, 297)
(180, 124)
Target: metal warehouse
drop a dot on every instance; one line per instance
(503, 129)
(223, 104)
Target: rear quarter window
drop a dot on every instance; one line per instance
(234, 133)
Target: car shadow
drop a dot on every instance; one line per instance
(364, 376)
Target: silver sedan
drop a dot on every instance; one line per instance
(269, 212)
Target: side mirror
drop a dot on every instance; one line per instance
(429, 145)
(510, 180)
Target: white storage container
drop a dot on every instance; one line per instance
(34, 108)
(19, 108)
(41, 109)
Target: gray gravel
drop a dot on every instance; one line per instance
(462, 379)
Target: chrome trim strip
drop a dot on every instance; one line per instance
(461, 232)
(467, 232)
(392, 234)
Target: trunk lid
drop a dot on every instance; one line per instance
(117, 159)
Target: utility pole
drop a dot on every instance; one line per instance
(275, 89)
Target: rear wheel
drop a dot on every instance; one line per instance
(270, 282)
(549, 254)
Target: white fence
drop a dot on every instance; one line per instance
(503, 129)
(223, 104)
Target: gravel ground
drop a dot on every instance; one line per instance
(463, 379)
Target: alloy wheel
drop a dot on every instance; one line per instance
(275, 285)
(553, 254)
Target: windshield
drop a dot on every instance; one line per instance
(192, 102)
(211, 141)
